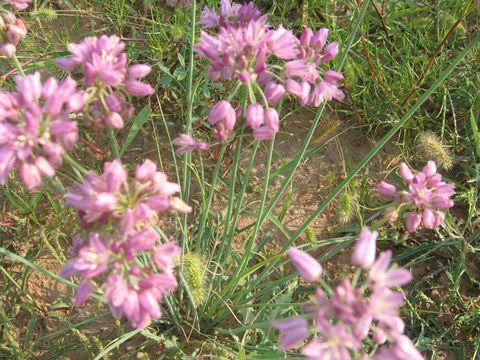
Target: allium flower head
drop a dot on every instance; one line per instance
(102, 60)
(425, 198)
(118, 215)
(234, 15)
(108, 77)
(113, 197)
(342, 321)
(12, 30)
(18, 4)
(35, 128)
(268, 62)
(293, 331)
(309, 268)
(223, 116)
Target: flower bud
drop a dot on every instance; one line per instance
(306, 265)
(364, 251)
(386, 189)
(255, 115)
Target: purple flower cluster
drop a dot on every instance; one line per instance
(351, 314)
(108, 79)
(118, 216)
(18, 4)
(12, 30)
(230, 15)
(268, 62)
(35, 128)
(424, 200)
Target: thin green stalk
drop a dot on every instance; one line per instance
(69, 160)
(248, 249)
(113, 143)
(225, 245)
(233, 182)
(266, 184)
(18, 65)
(206, 207)
(190, 98)
(316, 120)
(238, 206)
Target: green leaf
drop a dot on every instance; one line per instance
(180, 74)
(138, 123)
(476, 134)
(117, 342)
(181, 60)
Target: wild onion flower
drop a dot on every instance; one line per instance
(12, 30)
(18, 4)
(233, 15)
(186, 144)
(364, 252)
(424, 200)
(108, 78)
(349, 317)
(132, 289)
(223, 116)
(118, 216)
(112, 197)
(35, 128)
(268, 63)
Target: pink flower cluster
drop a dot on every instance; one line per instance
(18, 4)
(35, 128)
(352, 315)
(269, 63)
(12, 30)
(108, 79)
(118, 216)
(424, 200)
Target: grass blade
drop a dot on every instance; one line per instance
(138, 123)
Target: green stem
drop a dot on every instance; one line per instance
(18, 65)
(69, 160)
(258, 224)
(206, 208)
(299, 157)
(113, 143)
(190, 98)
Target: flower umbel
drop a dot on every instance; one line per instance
(118, 216)
(424, 200)
(108, 78)
(346, 317)
(267, 62)
(12, 30)
(35, 127)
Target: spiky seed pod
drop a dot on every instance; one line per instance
(194, 275)
(45, 14)
(310, 234)
(346, 207)
(431, 147)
